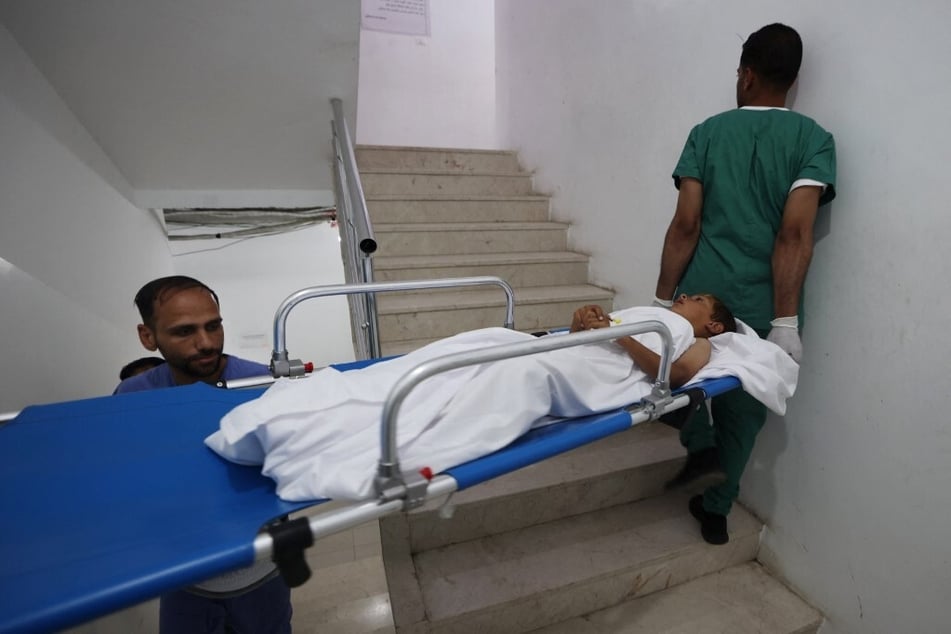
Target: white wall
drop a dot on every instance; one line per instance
(431, 91)
(586, 97)
(73, 249)
(200, 95)
(855, 482)
(252, 278)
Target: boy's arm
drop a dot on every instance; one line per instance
(681, 239)
(681, 370)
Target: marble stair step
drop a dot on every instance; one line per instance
(447, 159)
(624, 467)
(377, 182)
(545, 268)
(528, 578)
(447, 208)
(743, 599)
(469, 238)
(407, 316)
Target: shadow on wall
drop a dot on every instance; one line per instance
(771, 443)
(823, 225)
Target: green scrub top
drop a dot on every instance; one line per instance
(747, 160)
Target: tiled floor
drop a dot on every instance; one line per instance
(347, 592)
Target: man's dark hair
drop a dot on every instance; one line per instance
(157, 290)
(723, 315)
(774, 53)
(139, 365)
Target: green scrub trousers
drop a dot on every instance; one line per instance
(738, 417)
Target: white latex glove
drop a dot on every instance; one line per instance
(662, 303)
(785, 334)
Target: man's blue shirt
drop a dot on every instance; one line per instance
(161, 376)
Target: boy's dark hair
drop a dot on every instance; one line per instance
(139, 365)
(156, 290)
(774, 53)
(723, 315)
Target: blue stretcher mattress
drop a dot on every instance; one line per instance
(111, 501)
(114, 500)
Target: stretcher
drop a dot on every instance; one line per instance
(111, 501)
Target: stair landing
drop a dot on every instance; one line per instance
(744, 599)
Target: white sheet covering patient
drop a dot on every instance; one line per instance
(320, 436)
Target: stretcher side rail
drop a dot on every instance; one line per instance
(282, 366)
(390, 482)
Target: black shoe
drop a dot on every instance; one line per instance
(701, 463)
(712, 525)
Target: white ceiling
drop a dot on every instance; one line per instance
(200, 94)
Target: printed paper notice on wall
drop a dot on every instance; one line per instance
(406, 17)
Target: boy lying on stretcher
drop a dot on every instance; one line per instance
(706, 313)
(320, 436)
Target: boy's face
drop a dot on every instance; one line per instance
(697, 309)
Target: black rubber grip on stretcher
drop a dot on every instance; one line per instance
(291, 539)
(679, 417)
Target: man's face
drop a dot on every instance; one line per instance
(187, 331)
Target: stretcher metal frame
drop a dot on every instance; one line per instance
(285, 542)
(400, 491)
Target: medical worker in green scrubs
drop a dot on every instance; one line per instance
(750, 183)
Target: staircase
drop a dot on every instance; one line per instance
(586, 542)
(458, 213)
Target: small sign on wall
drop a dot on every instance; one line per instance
(406, 17)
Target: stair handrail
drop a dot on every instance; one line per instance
(361, 217)
(358, 242)
(351, 266)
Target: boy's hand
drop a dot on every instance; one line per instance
(589, 317)
(596, 319)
